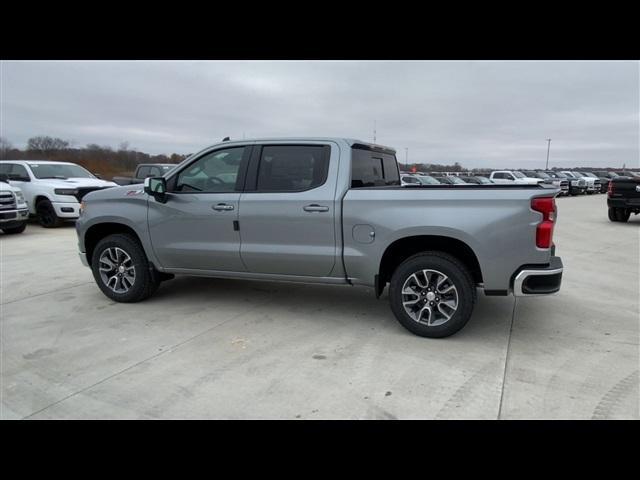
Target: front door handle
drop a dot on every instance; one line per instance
(315, 208)
(222, 207)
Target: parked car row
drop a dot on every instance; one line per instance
(53, 191)
(570, 182)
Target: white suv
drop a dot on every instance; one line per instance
(53, 190)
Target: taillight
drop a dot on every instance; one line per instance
(610, 189)
(544, 230)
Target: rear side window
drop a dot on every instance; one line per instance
(373, 169)
(292, 168)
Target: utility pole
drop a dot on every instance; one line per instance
(548, 148)
(374, 131)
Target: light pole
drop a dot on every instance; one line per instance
(406, 158)
(548, 148)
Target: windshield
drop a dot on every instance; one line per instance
(542, 175)
(428, 180)
(62, 170)
(590, 175)
(457, 180)
(518, 174)
(483, 180)
(560, 175)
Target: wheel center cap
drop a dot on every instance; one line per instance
(431, 296)
(121, 269)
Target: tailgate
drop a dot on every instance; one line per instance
(626, 188)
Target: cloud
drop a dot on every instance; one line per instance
(494, 114)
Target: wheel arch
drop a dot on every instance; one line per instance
(403, 248)
(97, 232)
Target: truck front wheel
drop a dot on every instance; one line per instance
(121, 269)
(432, 294)
(18, 229)
(47, 214)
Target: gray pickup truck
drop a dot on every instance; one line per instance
(327, 211)
(144, 170)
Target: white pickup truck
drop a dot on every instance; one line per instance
(13, 208)
(53, 190)
(513, 177)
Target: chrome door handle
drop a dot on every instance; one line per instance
(222, 207)
(315, 208)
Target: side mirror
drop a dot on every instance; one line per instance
(156, 187)
(4, 178)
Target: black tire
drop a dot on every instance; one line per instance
(623, 214)
(47, 215)
(612, 214)
(459, 276)
(146, 280)
(12, 230)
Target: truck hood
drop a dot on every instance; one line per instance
(77, 182)
(5, 187)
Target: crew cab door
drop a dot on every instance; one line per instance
(195, 228)
(287, 211)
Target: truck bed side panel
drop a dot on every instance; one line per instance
(496, 223)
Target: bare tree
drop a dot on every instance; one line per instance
(46, 144)
(5, 146)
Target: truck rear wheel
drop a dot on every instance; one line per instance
(623, 214)
(432, 294)
(612, 214)
(121, 269)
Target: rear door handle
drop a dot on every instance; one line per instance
(315, 208)
(222, 207)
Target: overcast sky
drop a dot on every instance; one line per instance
(493, 114)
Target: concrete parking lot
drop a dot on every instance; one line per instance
(231, 349)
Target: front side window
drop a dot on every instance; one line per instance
(215, 172)
(292, 168)
(143, 172)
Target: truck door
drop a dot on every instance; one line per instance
(287, 212)
(195, 229)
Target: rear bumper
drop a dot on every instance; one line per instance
(534, 280)
(624, 202)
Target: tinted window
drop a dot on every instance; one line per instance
(292, 168)
(373, 169)
(58, 170)
(155, 171)
(499, 175)
(13, 170)
(143, 172)
(215, 172)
